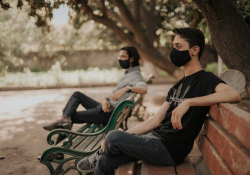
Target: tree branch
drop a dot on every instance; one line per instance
(107, 22)
(130, 23)
(196, 20)
(110, 12)
(148, 17)
(136, 9)
(101, 4)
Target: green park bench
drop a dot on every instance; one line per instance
(85, 140)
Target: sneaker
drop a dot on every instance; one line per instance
(87, 164)
(64, 124)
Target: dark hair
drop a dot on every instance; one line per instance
(132, 52)
(193, 36)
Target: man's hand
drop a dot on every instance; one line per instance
(178, 113)
(117, 94)
(106, 106)
(102, 146)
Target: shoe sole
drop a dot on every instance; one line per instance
(65, 126)
(84, 171)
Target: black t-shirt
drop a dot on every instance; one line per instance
(180, 142)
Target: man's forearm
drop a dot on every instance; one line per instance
(139, 89)
(218, 97)
(143, 127)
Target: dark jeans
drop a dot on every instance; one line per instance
(93, 113)
(122, 147)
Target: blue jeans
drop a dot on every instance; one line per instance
(122, 147)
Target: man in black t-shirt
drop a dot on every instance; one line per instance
(168, 137)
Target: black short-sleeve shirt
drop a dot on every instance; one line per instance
(180, 142)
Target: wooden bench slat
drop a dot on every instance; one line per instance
(87, 125)
(234, 120)
(82, 129)
(121, 118)
(87, 141)
(216, 164)
(126, 169)
(185, 168)
(94, 142)
(231, 150)
(150, 169)
(81, 138)
(98, 144)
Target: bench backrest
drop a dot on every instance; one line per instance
(120, 113)
(224, 140)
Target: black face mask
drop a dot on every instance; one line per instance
(180, 58)
(125, 64)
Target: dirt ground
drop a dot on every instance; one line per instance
(23, 113)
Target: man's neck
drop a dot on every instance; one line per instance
(192, 67)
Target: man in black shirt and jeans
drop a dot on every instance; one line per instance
(168, 137)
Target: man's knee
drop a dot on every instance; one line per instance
(77, 94)
(113, 137)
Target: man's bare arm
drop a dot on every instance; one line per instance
(148, 124)
(223, 94)
(139, 89)
(151, 123)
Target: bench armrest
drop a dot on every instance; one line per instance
(108, 127)
(71, 135)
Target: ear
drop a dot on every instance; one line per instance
(131, 59)
(196, 51)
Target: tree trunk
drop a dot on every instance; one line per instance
(150, 53)
(150, 68)
(230, 34)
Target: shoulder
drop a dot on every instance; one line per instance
(209, 76)
(135, 74)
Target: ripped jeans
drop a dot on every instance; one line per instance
(122, 147)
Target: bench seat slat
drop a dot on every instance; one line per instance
(185, 168)
(87, 141)
(98, 144)
(150, 169)
(126, 169)
(94, 142)
(83, 128)
(81, 138)
(87, 125)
